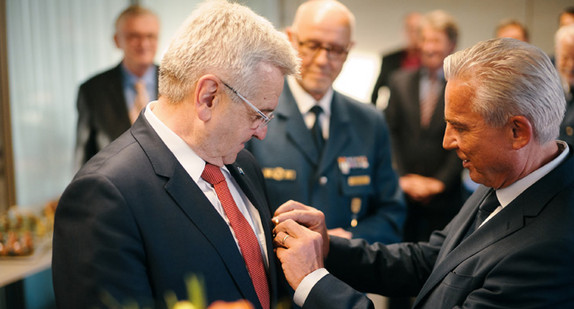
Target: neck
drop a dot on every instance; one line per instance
(137, 70)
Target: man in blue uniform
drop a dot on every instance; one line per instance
(325, 149)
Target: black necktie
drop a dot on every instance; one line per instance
(489, 204)
(316, 129)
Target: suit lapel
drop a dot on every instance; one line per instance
(527, 206)
(192, 201)
(117, 99)
(297, 131)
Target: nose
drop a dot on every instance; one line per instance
(260, 132)
(321, 56)
(449, 140)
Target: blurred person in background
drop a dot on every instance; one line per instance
(405, 58)
(324, 148)
(110, 102)
(511, 28)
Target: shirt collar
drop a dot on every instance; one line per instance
(149, 77)
(305, 101)
(507, 195)
(191, 162)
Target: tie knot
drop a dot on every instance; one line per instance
(212, 174)
(317, 110)
(490, 203)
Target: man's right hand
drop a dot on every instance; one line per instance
(305, 215)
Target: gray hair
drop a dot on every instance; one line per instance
(511, 78)
(225, 39)
(133, 11)
(442, 21)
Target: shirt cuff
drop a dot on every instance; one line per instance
(307, 285)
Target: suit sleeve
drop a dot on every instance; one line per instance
(97, 249)
(357, 267)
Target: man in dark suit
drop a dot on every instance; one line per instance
(429, 175)
(176, 196)
(511, 245)
(407, 58)
(348, 174)
(564, 51)
(109, 102)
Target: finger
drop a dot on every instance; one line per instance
(280, 240)
(289, 206)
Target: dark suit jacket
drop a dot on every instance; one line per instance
(358, 136)
(521, 258)
(418, 150)
(133, 224)
(389, 63)
(102, 113)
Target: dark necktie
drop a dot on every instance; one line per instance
(489, 204)
(243, 232)
(316, 130)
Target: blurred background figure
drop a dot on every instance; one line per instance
(405, 58)
(430, 176)
(511, 28)
(564, 54)
(566, 16)
(109, 102)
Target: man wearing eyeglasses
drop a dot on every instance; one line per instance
(325, 149)
(176, 195)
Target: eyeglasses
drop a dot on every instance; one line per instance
(334, 52)
(262, 119)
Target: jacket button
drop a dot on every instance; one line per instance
(323, 180)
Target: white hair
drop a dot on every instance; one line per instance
(226, 39)
(511, 78)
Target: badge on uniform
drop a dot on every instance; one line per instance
(355, 208)
(347, 163)
(279, 173)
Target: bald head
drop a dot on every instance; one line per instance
(322, 35)
(325, 12)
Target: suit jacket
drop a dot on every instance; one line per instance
(353, 174)
(521, 258)
(102, 113)
(134, 224)
(418, 150)
(389, 63)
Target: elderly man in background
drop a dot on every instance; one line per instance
(110, 102)
(324, 148)
(176, 195)
(512, 243)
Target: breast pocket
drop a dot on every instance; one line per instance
(357, 188)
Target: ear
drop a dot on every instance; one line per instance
(522, 131)
(206, 96)
(117, 40)
(291, 36)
